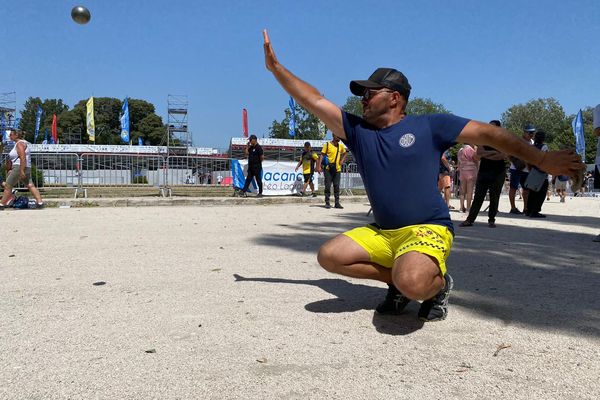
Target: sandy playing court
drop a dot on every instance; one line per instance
(228, 302)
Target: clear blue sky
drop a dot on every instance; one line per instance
(477, 57)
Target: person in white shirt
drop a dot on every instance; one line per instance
(19, 170)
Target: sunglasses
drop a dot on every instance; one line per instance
(369, 93)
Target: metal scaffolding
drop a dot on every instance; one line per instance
(8, 108)
(178, 134)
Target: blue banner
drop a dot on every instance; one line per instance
(140, 142)
(45, 136)
(579, 136)
(38, 118)
(125, 121)
(292, 117)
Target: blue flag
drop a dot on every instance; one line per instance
(17, 122)
(292, 117)
(140, 142)
(45, 136)
(2, 127)
(579, 137)
(38, 118)
(125, 121)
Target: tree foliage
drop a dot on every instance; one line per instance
(421, 106)
(545, 114)
(144, 123)
(49, 108)
(353, 106)
(548, 115)
(307, 126)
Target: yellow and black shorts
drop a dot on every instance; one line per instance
(386, 245)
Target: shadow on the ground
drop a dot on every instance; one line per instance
(533, 276)
(350, 297)
(576, 220)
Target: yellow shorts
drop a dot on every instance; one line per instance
(384, 245)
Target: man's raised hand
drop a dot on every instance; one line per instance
(270, 59)
(562, 162)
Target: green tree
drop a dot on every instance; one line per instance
(353, 106)
(420, 106)
(151, 129)
(546, 114)
(49, 108)
(307, 126)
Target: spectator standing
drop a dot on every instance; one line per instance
(334, 152)
(467, 169)
(536, 198)
(255, 158)
(560, 185)
(307, 161)
(518, 171)
(490, 177)
(444, 180)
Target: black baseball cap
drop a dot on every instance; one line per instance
(383, 78)
(529, 128)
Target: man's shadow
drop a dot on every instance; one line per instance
(352, 297)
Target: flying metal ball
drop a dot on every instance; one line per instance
(81, 15)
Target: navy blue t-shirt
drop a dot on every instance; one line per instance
(399, 166)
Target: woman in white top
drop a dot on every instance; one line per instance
(20, 169)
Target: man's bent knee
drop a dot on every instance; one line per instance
(327, 257)
(418, 281)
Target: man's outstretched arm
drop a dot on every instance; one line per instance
(306, 95)
(564, 162)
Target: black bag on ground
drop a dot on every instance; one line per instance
(21, 202)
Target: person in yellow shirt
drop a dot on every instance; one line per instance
(330, 163)
(308, 160)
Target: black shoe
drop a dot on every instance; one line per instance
(259, 195)
(393, 303)
(436, 308)
(537, 215)
(338, 205)
(327, 205)
(314, 194)
(515, 211)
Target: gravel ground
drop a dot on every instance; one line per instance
(228, 302)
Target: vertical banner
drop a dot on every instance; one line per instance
(38, 119)
(292, 117)
(54, 130)
(2, 128)
(245, 122)
(140, 141)
(596, 125)
(579, 136)
(125, 121)
(90, 124)
(45, 136)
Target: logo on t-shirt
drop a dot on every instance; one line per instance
(407, 140)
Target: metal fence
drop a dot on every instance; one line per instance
(89, 170)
